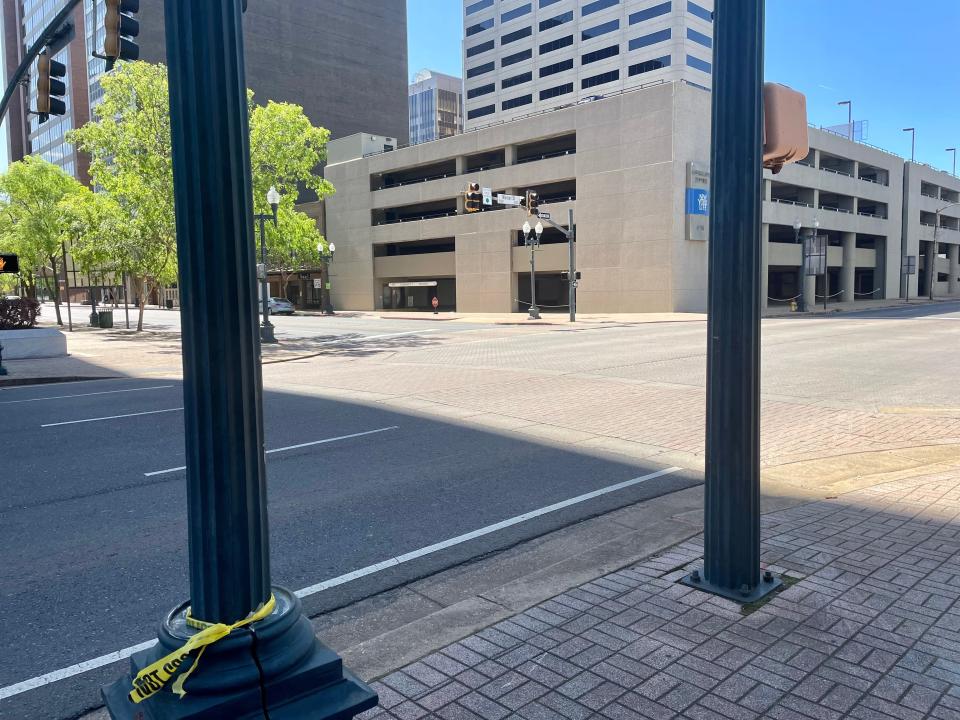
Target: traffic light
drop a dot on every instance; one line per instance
(533, 203)
(120, 28)
(565, 275)
(50, 88)
(473, 197)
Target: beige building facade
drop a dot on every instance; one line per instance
(619, 163)
(849, 193)
(926, 191)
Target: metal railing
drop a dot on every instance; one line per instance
(869, 214)
(791, 202)
(418, 180)
(875, 182)
(837, 172)
(836, 209)
(416, 218)
(547, 156)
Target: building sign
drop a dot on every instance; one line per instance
(417, 283)
(9, 264)
(698, 201)
(317, 284)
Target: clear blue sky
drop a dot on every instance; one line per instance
(892, 58)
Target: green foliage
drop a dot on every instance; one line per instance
(285, 152)
(31, 216)
(292, 245)
(130, 162)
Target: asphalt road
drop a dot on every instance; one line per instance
(93, 548)
(93, 542)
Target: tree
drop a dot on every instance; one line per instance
(292, 245)
(130, 162)
(95, 226)
(129, 146)
(285, 152)
(32, 224)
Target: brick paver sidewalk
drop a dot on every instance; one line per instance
(870, 629)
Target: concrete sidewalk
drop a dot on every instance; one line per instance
(869, 628)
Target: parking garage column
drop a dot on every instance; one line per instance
(848, 271)
(764, 264)
(510, 155)
(809, 285)
(953, 255)
(461, 171)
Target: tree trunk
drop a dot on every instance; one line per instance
(56, 290)
(143, 303)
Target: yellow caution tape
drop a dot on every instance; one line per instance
(153, 678)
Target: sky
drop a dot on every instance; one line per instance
(891, 58)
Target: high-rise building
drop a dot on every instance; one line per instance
(436, 106)
(345, 64)
(525, 56)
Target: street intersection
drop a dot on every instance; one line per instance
(397, 448)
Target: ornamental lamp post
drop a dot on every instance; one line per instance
(326, 255)
(266, 328)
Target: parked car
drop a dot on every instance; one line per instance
(281, 306)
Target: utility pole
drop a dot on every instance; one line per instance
(570, 233)
(732, 477)
(256, 655)
(913, 142)
(849, 105)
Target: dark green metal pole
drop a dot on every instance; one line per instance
(226, 488)
(275, 667)
(732, 497)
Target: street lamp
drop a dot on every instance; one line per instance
(849, 105)
(954, 151)
(326, 255)
(266, 327)
(913, 142)
(932, 274)
(532, 241)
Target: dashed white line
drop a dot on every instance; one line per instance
(82, 667)
(290, 447)
(103, 392)
(110, 417)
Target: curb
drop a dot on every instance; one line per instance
(23, 382)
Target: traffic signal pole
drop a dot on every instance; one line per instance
(732, 476)
(268, 663)
(58, 29)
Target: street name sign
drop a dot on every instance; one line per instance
(509, 199)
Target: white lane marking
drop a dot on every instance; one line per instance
(110, 417)
(104, 392)
(51, 677)
(460, 539)
(290, 447)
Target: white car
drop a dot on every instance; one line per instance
(281, 306)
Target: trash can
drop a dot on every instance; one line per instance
(169, 304)
(106, 319)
